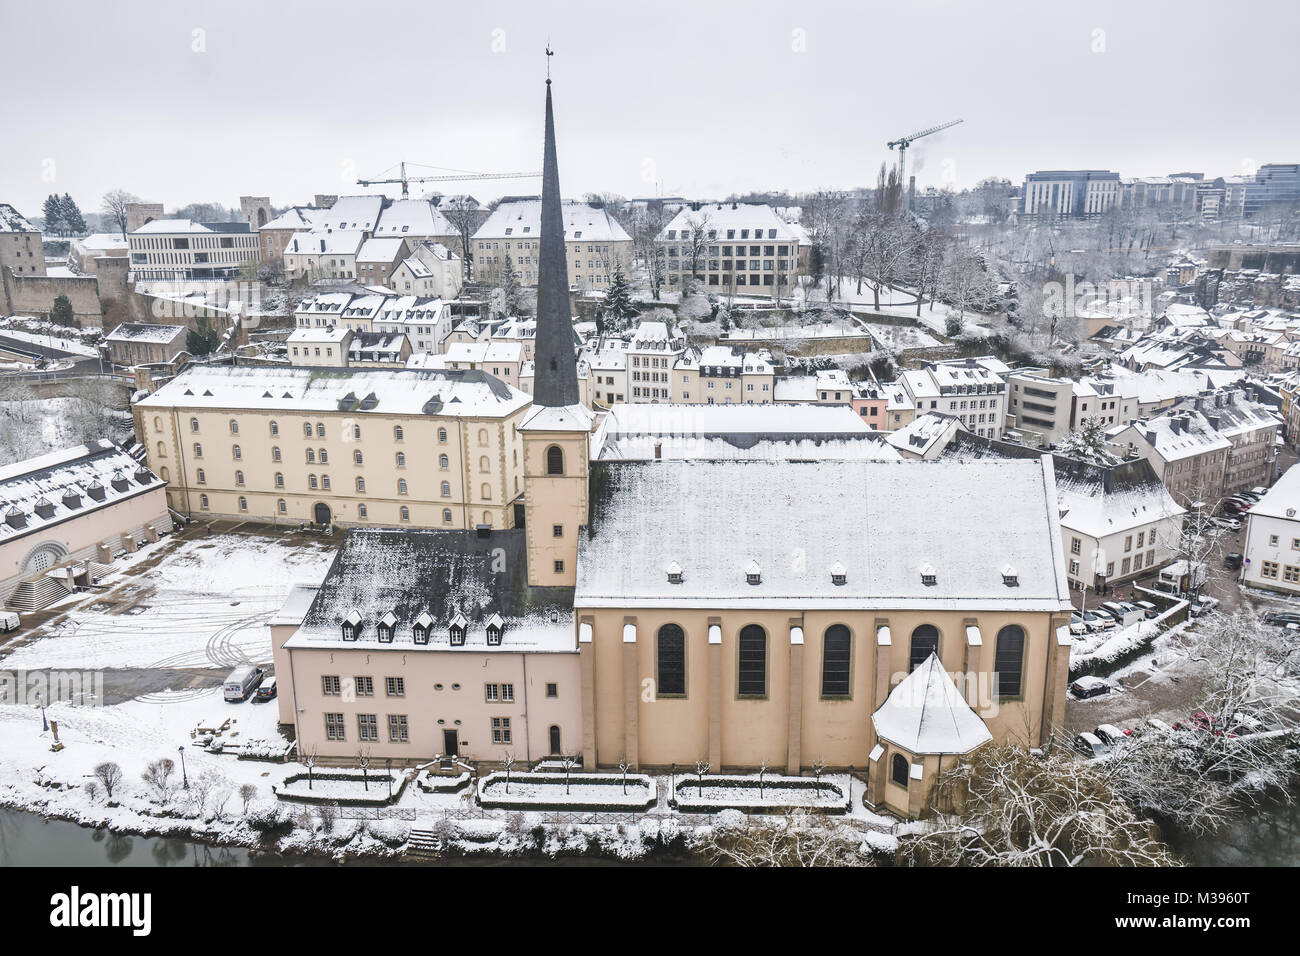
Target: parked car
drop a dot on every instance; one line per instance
(1243, 723)
(1089, 686)
(1228, 524)
(1232, 560)
(1089, 745)
(241, 682)
(1167, 587)
(266, 691)
(1155, 723)
(9, 621)
(1110, 735)
(1204, 723)
(1205, 601)
(1149, 610)
(1123, 613)
(1098, 621)
(1077, 625)
(1282, 618)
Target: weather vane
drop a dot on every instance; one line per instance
(549, 53)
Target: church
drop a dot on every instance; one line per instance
(789, 610)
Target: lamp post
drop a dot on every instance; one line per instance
(184, 779)
(45, 724)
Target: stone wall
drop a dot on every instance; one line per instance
(35, 295)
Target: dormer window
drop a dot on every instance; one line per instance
(929, 577)
(495, 625)
(420, 630)
(352, 626)
(386, 627)
(753, 573)
(674, 573)
(457, 630)
(838, 574)
(1009, 577)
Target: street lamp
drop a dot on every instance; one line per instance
(184, 779)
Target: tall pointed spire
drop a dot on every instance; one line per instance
(555, 376)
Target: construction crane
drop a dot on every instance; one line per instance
(905, 141)
(459, 175)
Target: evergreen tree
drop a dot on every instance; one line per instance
(511, 292)
(617, 308)
(62, 314)
(203, 340)
(72, 217)
(1088, 443)
(53, 213)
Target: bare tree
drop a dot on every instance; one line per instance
(623, 767)
(465, 216)
(363, 761)
(696, 248)
(246, 793)
(799, 839)
(158, 777)
(508, 764)
(109, 776)
(114, 207)
(1237, 753)
(1009, 807)
(568, 762)
(818, 768)
(328, 813)
(762, 770)
(309, 761)
(701, 768)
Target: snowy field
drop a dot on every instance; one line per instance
(204, 605)
(31, 427)
(900, 337)
(898, 302)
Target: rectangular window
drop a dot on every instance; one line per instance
(491, 692)
(1268, 569)
(751, 676)
(396, 686)
(397, 728)
(508, 693)
(329, 685)
(367, 727)
(501, 730)
(334, 727)
(1291, 573)
(552, 690)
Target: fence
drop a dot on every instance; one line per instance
(376, 813)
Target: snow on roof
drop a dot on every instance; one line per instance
(558, 418)
(296, 605)
(413, 217)
(925, 714)
(101, 241)
(880, 520)
(1282, 498)
(458, 392)
(336, 242)
(1097, 501)
(867, 447)
(39, 492)
(921, 434)
(296, 218)
(330, 333)
(521, 219)
(444, 575)
(350, 212)
(790, 421)
(795, 389)
(11, 220)
(1173, 437)
(380, 250)
(726, 220)
(144, 332)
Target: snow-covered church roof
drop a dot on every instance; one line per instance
(925, 714)
(880, 521)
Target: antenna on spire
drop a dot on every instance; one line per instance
(549, 53)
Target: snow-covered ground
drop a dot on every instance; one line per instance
(900, 302)
(56, 338)
(205, 604)
(32, 427)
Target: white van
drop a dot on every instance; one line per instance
(241, 682)
(9, 621)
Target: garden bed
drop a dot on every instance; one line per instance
(433, 783)
(586, 791)
(779, 794)
(347, 789)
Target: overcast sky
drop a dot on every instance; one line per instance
(188, 102)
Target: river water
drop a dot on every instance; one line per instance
(27, 839)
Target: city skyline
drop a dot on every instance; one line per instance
(781, 106)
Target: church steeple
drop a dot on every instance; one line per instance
(555, 376)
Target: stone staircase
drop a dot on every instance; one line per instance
(422, 844)
(37, 594)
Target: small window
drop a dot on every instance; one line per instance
(201, 476)
(401, 486)
(557, 531)
(281, 506)
(203, 502)
(405, 513)
(357, 457)
(552, 690)
(243, 503)
(401, 459)
(234, 427)
(361, 510)
(559, 567)
(901, 770)
(555, 460)
(446, 489)
(398, 434)
(194, 424)
(198, 450)
(442, 436)
(446, 516)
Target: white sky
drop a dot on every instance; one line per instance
(701, 99)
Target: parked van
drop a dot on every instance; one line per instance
(1122, 613)
(241, 682)
(9, 621)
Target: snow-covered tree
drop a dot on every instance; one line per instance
(73, 220)
(800, 839)
(52, 211)
(114, 207)
(1009, 807)
(1239, 753)
(1088, 443)
(109, 776)
(614, 313)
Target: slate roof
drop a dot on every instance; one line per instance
(408, 573)
(41, 492)
(881, 520)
